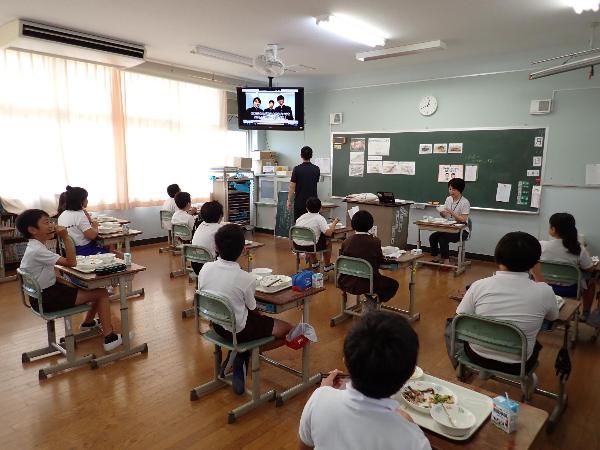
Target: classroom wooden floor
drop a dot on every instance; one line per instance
(143, 402)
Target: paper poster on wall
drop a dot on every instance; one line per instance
(538, 141)
(357, 157)
(536, 193)
(324, 164)
(455, 147)
(471, 172)
(379, 146)
(592, 174)
(391, 167)
(357, 144)
(503, 192)
(356, 170)
(425, 149)
(448, 171)
(375, 158)
(406, 167)
(374, 166)
(440, 148)
(533, 173)
(537, 161)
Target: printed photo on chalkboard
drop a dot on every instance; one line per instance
(440, 148)
(455, 147)
(357, 144)
(425, 149)
(448, 171)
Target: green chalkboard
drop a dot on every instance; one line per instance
(501, 156)
(284, 217)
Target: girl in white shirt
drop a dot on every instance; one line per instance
(564, 247)
(82, 229)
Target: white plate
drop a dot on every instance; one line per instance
(418, 373)
(427, 403)
(87, 270)
(463, 419)
(339, 225)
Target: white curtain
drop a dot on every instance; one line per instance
(122, 136)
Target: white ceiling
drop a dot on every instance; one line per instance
(482, 35)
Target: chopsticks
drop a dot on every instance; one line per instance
(272, 283)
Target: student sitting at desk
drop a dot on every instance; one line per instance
(318, 224)
(184, 213)
(80, 226)
(565, 247)
(57, 293)
(363, 245)
(225, 277)
(169, 204)
(204, 236)
(512, 296)
(456, 207)
(380, 352)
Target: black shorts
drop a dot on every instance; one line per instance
(321, 245)
(56, 297)
(257, 327)
(512, 368)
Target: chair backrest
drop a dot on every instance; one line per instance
(197, 254)
(216, 309)
(165, 219)
(561, 273)
(30, 288)
(498, 335)
(356, 267)
(182, 232)
(302, 234)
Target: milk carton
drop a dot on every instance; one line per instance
(505, 413)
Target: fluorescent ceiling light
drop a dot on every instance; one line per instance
(222, 55)
(351, 29)
(402, 50)
(583, 5)
(574, 65)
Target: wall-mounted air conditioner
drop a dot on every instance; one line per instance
(56, 41)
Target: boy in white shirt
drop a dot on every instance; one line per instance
(183, 216)
(169, 204)
(380, 352)
(512, 296)
(318, 224)
(57, 293)
(224, 277)
(204, 236)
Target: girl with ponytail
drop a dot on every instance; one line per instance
(565, 247)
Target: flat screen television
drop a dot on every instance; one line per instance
(270, 108)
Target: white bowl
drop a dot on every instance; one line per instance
(262, 271)
(86, 267)
(106, 257)
(463, 419)
(339, 225)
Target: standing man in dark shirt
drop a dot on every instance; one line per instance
(304, 181)
(284, 110)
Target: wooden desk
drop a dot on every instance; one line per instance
(531, 421)
(5, 232)
(249, 250)
(118, 238)
(275, 304)
(461, 264)
(339, 234)
(90, 281)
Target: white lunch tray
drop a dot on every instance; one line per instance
(479, 404)
(270, 290)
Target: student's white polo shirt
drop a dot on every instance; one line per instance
(316, 222)
(335, 419)
(181, 217)
(39, 262)
(169, 205)
(225, 278)
(76, 223)
(204, 236)
(513, 297)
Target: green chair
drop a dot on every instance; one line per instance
(31, 288)
(217, 310)
(561, 273)
(181, 234)
(165, 224)
(308, 235)
(196, 254)
(498, 335)
(356, 267)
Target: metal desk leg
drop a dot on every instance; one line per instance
(130, 291)
(3, 277)
(250, 259)
(418, 237)
(460, 265)
(411, 315)
(308, 381)
(127, 350)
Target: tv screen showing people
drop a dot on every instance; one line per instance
(271, 108)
